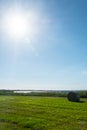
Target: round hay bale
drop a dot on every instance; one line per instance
(74, 97)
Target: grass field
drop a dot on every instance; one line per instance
(41, 113)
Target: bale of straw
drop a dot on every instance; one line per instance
(73, 96)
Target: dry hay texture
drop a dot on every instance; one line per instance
(73, 96)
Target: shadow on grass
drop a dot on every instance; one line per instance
(78, 101)
(81, 101)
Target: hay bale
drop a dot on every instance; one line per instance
(74, 97)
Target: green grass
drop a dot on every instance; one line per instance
(38, 113)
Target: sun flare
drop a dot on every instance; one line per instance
(16, 25)
(19, 25)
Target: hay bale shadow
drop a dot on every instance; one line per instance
(81, 102)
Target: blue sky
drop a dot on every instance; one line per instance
(56, 56)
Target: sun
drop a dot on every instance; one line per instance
(18, 24)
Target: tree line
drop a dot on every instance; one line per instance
(83, 94)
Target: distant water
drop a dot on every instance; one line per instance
(22, 91)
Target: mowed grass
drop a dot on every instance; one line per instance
(42, 113)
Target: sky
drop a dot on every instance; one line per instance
(52, 55)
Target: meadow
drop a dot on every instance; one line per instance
(42, 113)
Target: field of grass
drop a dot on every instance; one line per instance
(42, 113)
